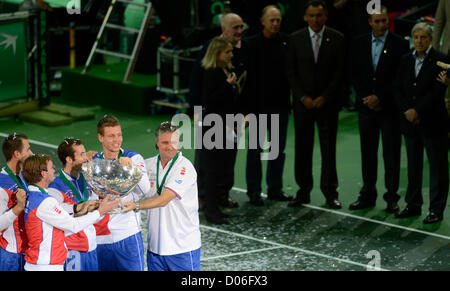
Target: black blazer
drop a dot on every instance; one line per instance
(322, 79)
(239, 61)
(424, 93)
(380, 83)
(218, 96)
(267, 84)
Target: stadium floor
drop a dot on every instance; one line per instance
(277, 237)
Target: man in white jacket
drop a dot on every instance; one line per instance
(13, 241)
(45, 219)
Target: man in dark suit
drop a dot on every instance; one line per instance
(373, 64)
(425, 123)
(315, 67)
(267, 92)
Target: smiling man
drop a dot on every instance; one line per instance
(425, 123)
(73, 193)
(46, 221)
(119, 237)
(173, 224)
(13, 240)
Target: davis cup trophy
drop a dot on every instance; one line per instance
(107, 177)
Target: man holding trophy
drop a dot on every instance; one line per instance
(173, 224)
(46, 221)
(119, 238)
(73, 193)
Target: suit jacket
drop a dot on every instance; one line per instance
(218, 96)
(267, 84)
(424, 93)
(381, 82)
(307, 78)
(442, 23)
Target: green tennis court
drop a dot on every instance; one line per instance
(277, 237)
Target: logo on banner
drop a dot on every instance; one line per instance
(10, 40)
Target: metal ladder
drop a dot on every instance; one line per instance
(137, 46)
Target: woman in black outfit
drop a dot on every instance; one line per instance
(220, 96)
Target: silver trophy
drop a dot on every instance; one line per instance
(107, 177)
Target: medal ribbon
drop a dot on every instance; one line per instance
(74, 189)
(160, 187)
(14, 177)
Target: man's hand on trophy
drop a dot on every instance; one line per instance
(93, 205)
(125, 161)
(128, 206)
(107, 206)
(81, 209)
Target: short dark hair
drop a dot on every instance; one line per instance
(165, 127)
(65, 149)
(316, 3)
(33, 166)
(14, 142)
(106, 121)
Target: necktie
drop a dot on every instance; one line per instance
(316, 46)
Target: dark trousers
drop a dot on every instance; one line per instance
(218, 176)
(274, 174)
(437, 153)
(201, 167)
(371, 125)
(327, 122)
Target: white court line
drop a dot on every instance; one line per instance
(44, 144)
(288, 247)
(309, 206)
(240, 253)
(366, 219)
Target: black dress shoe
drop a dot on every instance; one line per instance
(256, 200)
(299, 200)
(228, 203)
(216, 218)
(409, 212)
(280, 196)
(334, 203)
(392, 207)
(433, 218)
(361, 204)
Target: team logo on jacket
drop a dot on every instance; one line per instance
(183, 171)
(57, 210)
